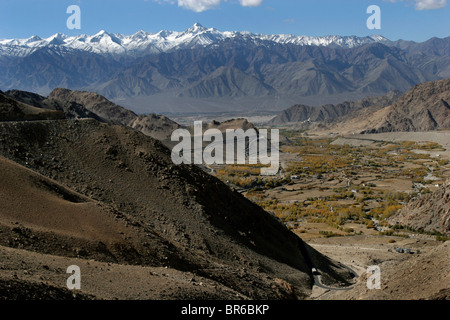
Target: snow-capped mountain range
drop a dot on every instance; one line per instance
(204, 69)
(142, 42)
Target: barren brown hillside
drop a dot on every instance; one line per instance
(425, 107)
(123, 182)
(12, 110)
(430, 212)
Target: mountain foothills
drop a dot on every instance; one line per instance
(208, 70)
(425, 107)
(78, 105)
(86, 191)
(13, 110)
(429, 213)
(331, 112)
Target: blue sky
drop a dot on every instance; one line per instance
(416, 20)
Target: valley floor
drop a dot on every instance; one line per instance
(338, 193)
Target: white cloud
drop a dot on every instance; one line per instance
(251, 3)
(430, 4)
(426, 4)
(198, 5)
(203, 5)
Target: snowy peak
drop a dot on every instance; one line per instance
(56, 39)
(196, 28)
(33, 39)
(142, 42)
